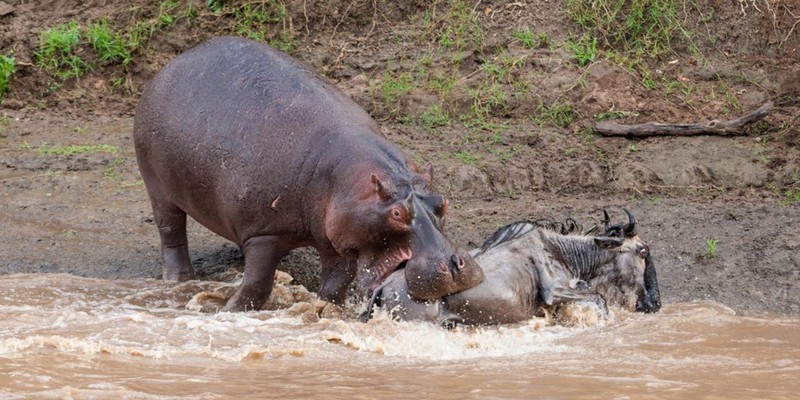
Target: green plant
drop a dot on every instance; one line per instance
(711, 251)
(633, 148)
(253, 19)
(607, 115)
(165, 9)
(557, 114)
(465, 157)
(70, 150)
(655, 200)
(511, 194)
(458, 29)
(7, 68)
(792, 195)
(434, 116)
(393, 87)
(57, 52)
(525, 36)
(585, 49)
(111, 170)
(561, 114)
(640, 27)
(109, 45)
(215, 5)
(631, 31)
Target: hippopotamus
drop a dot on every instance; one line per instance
(259, 149)
(533, 267)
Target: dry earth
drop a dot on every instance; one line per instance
(88, 214)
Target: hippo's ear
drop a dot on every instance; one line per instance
(381, 188)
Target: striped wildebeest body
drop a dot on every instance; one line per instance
(532, 267)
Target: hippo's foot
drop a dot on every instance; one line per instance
(177, 265)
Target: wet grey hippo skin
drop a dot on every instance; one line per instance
(529, 268)
(266, 153)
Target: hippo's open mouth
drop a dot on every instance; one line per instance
(374, 270)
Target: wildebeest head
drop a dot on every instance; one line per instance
(397, 223)
(633, 264)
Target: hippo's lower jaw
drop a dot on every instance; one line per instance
(374, 270)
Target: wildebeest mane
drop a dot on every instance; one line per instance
(516, 229)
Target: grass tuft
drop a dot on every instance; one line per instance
(7, 68)
(71, 150)
(109, 45)
(57, 52)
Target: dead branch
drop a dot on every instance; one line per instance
(715, 127)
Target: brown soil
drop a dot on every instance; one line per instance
(88, 214)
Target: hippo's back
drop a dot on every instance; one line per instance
(231, 125)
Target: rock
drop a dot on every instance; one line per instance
(5, 9)
(13, 104)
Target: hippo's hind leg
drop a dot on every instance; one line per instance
(337, 273)
(171, 222)
(261, 257)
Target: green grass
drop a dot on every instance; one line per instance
(7, 68)
(526, 37)
(644, 27)
(711, 250)
(608, 115)
(109, 45)
(791, 196)
(253, 20)
(215, 5)
(632, 32)
(434, 117)
(451, 26)
(557, 114)
(57, 52)
(585, 49)
(112, 171)
(466, 158)
(70, 150)
(393, 87)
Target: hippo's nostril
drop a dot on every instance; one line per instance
(456, 262)
(442, 267)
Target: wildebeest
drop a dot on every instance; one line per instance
(532, 267)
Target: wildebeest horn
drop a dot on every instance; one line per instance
(605, 220)
(630, 227)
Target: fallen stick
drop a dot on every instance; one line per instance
(715, 127)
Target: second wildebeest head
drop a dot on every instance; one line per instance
(632, 268)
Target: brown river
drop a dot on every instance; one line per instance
(66, 337)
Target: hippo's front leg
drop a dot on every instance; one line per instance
(261, 257)
(335, 277)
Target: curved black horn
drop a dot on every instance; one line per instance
(630, 227)
(606, 219)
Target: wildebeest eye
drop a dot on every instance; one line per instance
(642, 251)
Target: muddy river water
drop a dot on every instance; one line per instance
(63, 336)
